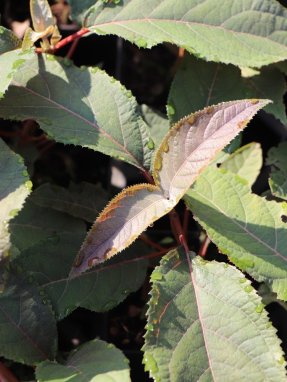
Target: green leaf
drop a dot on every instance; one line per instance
(185, 151)
(28, 332)
(95, 361)
(245, 227)
(277, 158)
(10, 64)
(79, 8)
(8, 40)
(206, 323)
(245, 162)
(49, 262)
(99, 112)
(35, 224)
(83, 200)
(246, 33)
(15, 186)
(198, 84)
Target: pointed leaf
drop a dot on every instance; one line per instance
(94, 361)
(245, 162)
(83, 200)
(277, 158)
(99, 112)
(15, 186)
(248, 33)
(8, 40)
(41, 14)
(49, 262)
(244, 226)
(195, 140)
(198, 84)
(28, 332)
(208, 324)
(120, 223)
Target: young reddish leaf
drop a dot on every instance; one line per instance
(184, 153)
(194, 141)
(41, 14)
(120, 223)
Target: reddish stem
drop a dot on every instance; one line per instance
(72, 37)
(177, 230)
(204, 246)
(6, 375)
(150, 242)
(73, 48)
(148, 177)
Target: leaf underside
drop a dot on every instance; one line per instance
(184, 153)
(207, 323)
(245, 33)
(244, 226)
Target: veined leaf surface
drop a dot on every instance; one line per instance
(184, 153)
(83, 107)
(244, 33)
(207, 323)
(15, 186)
(247, 228)
(120, 223)
(195, 140)
(277, 158)
(95, 361)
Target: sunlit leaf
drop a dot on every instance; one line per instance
(95, 361)
(250, 230)
(206, 323)
(41, 14)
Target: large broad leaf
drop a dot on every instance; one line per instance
(83, 200)
(195, 140)
(8, 40)
(77, 106)
(15, 186)
(245, 162)
(94, 361)
(198, 84)
(277, 158)
(49, 262)
(184, 153)
(206, 323)
(244, 226)
(245, 33)
(28, 332)
(10, 63)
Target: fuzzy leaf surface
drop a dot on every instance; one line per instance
(245, 227)
(198, 84)
(95, 361)
(8, 40)
(192, 143)
(208, 324)
(49, 262)
(83, 200)
(14, 189)
(249, 33)
(120, 223)
(83, 107)
(277, 158)
(10, 63)
(245, 162)
(28, 332)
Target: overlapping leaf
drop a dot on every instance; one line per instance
(244, 226)
(79, 106)
(94, 361)
(14, 188)
(207, 323)
(184, 153)
(28, 332)
(158, 124)
(245, 162)
(198, 84)
(246, 33)
(277, 158)
(8, 40)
